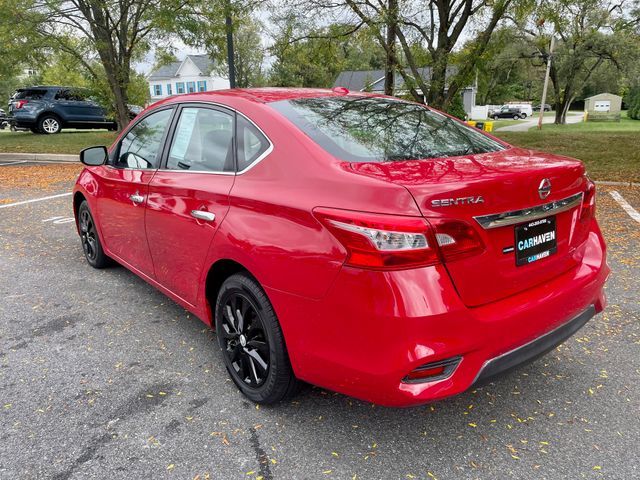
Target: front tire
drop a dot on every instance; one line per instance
(49, 124)
(89, 238)
(252, 342)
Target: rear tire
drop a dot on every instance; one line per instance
(89, 238)
(252, 342)
(49, 124)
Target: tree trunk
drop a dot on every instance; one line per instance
(436, 96)
(391, 60)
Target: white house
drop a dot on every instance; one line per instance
(193, 74)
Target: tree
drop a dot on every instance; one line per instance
(113, 32)
(586, 42)
(306, 57)
(436, 24)
(249, 53)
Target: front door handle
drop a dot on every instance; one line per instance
(136, 198)
(202, 215)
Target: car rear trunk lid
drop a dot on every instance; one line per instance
(495, 193)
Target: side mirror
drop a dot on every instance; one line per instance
(94, 156)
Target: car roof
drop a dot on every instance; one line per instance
(268, 94)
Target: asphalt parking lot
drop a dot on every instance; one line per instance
(101, 376)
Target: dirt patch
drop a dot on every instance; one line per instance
(41, 177)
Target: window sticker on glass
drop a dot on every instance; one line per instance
(183, 133)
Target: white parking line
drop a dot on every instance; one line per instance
(2, 164)
(35, 200)
(633, 213)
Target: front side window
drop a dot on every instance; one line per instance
(140, 147)
(252, 144)
(203, 141)
(371, 129)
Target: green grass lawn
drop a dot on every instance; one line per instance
(67, 141)
(610, 150)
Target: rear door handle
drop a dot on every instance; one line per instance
(136, 198)
(202, 215)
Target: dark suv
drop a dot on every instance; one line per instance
(508, 112)
(46, 109)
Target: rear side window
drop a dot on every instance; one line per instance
(203, 141)
(370, 129)
(252, 144)
(140, 147)
(29, 94)
(71, 94)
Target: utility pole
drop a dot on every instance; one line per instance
(546, 82)
(230, 54)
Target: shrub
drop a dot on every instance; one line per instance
(456, 108)
(634, 104)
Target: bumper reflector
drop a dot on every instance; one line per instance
(434, 371)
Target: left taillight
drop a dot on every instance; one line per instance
(393, 242)
(20, 103)
(380, 241)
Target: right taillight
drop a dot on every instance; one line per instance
(389, 242)
(456, 239)
(589, 201)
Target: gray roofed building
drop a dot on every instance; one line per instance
(373, 81)
(203, 62)
(193, 74)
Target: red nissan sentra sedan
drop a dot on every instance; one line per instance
(366, 244)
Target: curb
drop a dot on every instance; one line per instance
(39, 157)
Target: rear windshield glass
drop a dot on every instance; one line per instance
(32, 94)
(369, 129)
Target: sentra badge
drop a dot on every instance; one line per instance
(449, 202)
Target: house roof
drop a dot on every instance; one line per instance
(604, 95)
(359, 80)
(203, 62)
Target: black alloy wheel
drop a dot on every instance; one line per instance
(246, 344)
(89, 238)
(251, 341)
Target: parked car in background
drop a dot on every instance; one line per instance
(361, 243)
(49, 109)
(508, 112)
(547, 108)
(4, 123)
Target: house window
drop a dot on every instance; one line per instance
(191, 87)
(168, 89)
(180, 87)
(157, 90)
(202, 86)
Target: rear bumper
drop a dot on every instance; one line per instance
(373, 328)
(534, 349)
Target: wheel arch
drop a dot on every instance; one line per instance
(50, 113)
(218, 272)
(78, 198)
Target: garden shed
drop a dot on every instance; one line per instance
(604, 106)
